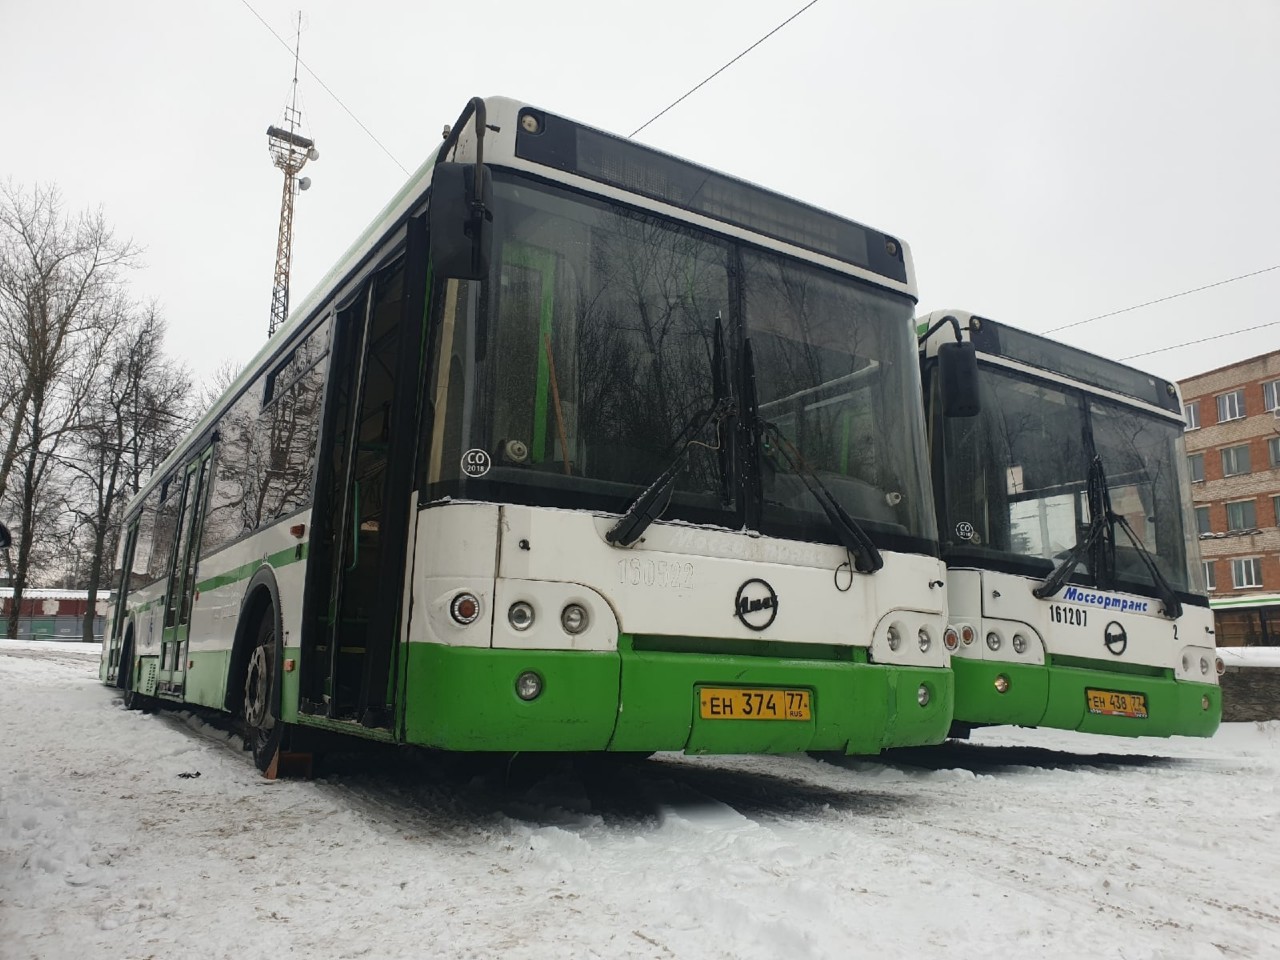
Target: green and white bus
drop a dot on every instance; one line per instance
(1074, 579)
(580, 447)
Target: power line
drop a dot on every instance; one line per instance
(722, 69)
(1172, 296)
(1216, 336)
(336, 98)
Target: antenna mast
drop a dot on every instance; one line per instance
(290, 151)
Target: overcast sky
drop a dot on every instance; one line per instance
(1046, 162)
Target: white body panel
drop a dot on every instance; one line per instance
(678, 580)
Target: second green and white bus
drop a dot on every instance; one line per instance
(580, 447)
(1075, 585)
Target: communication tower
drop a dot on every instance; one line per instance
(290, 151)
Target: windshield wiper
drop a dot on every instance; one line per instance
(650, 504)
(1099, 542)
(866, 557)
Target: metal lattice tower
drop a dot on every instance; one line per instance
(290, 151)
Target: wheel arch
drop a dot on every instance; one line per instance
(260, 596)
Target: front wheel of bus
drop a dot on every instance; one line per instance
(262, 728)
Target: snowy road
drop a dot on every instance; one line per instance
(1020, 844)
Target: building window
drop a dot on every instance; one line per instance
(1246, 572)
(1209, 582)
(1242, 515)
(1235, 460)
(1196, 461)
(1231, 406)
(1191, 413)
(1202, 520)
(1275, 510)
(1273, 451)
(1271, 394)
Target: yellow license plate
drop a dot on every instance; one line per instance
(1112, 703)
(735, 703)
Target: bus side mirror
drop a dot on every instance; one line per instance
(958, 379)
(461, 221)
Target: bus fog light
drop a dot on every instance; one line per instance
(1204, 703)
(993, 642)
(895, 637)
(1221, 665)
(465, 608)
(520, 616)
(925, 640)
(1002, 684)
(966, 635)
(922, 695)
(1204, 664)
(950, 639)
(574, 619)
(528, 685)
(1019, 643)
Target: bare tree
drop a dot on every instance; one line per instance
(135, 414)
(61, 300)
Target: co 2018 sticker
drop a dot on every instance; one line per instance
(476, 462)
(964, 530)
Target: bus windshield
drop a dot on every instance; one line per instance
(577, 371)
(1013, 482)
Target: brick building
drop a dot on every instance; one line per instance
(1233, 444)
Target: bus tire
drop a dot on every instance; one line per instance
(125, 678)
(263, 729)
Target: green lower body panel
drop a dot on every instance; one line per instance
(1055, 696)
(460, 698)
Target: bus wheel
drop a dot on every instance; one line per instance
(263, 729)
(125, 678)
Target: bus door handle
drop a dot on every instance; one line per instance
(355, 525)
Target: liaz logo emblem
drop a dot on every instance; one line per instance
(756, 604)
(1115, 637)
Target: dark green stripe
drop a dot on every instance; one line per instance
(246, 570)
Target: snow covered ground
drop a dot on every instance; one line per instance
(1018, 844)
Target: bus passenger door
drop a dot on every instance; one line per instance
(180, 596)
(118, 615)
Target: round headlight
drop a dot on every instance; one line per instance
(895, 637)
(528, 685)
(993, 641)
(465, 608)
(1019, 643)
(520, 616)
(925, 640)
(1204, 664)
(574, 619)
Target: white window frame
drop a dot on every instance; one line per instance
(1239, 565)
(1233, 403)
(1235, 472)
(1191, 472)
(1210, 577)
(1208, 523)
(1191, 414)
(1271, 395)
(1241, 503)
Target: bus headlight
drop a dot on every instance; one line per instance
(895, 637)
(520, 616)
(993, 641)
(1204, 664)
(1019, 643)
(925, 640)
(574, 619)
(528, 685)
